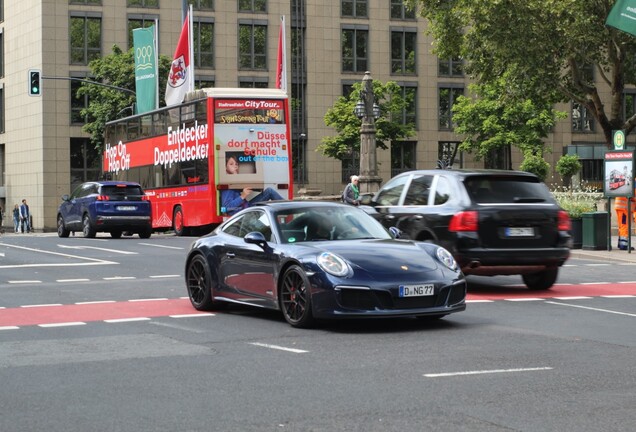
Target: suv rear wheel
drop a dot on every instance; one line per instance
(542, 280)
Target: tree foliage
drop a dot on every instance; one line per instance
(389, 125)
(498, 116)
(107, 104)
(548, 47)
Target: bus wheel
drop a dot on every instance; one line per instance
(177, 222)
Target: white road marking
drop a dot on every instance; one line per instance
(162, 246)
(9, 328)
(480, 301)
(66, 324)
(164, 276)
(597, 265)
(628, 282)
(98, 248)
(24, 281)
(573, 298)
(123, 320)
(145, 300)
(523, 299)
(119, 278)
(41, 305)
(618, 296)
(593, 309)
(72, 280)
(594, 283)
(192, 315)
(276, 347)
(95, 302)
(480, 372)
(92, 261)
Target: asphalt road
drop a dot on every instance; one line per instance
(513, 361)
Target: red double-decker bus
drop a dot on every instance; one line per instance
(179, 154)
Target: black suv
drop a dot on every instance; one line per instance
(105, 206)
(493, 222)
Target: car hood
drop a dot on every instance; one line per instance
(383, 258)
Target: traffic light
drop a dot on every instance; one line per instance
(35, 82)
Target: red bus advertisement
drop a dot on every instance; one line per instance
(617, 179)
(186, 156)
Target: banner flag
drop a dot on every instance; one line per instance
(145, 69)
(281, 60)
(180, 79)
(623, 16)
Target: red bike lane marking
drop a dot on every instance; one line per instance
(60, 314)
(36, 315)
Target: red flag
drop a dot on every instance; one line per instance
(180, 77)
(281, 60)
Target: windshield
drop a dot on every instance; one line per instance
(328, 223)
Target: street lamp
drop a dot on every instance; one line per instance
(368, 111)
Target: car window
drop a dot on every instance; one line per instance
(419, 190)
(115, 192)
(233, 228)
(77, 191)
(391, 191)
(256, 221)
(443, 190)
(507, 189)
(86, 190)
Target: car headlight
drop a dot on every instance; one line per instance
(333, 264)
(446, 258)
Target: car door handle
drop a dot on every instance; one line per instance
(418, 217)
(230, 255)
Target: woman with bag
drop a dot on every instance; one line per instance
(351, 194)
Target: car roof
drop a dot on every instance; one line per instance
(463, 173)
(112, 183)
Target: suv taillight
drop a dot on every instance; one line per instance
(145, 198)
(103, 198)
(564, 222)
(464, 221)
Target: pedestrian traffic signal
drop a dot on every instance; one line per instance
(35, 82)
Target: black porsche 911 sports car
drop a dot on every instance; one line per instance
(316, 260)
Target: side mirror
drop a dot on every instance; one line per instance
(65, 197)
(256, 238)
(395, 232)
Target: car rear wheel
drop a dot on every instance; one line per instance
(61, 229)
(87, 227)
(115, 234)
(177, 222)
(199, 284)
(295, 298)
(542, 280)
(144, 234)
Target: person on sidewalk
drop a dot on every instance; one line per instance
(620, 207)
(16, 218)
(25, 217)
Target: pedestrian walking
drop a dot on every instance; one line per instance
(16, 218)
(25, 217)
(351, 193)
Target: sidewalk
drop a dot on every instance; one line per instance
(615, 254)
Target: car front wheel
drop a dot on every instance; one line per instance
(542, 280)
(61, 229)
(199, 284)
(87, 227)
(295, 298)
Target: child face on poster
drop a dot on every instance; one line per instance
(231, 165)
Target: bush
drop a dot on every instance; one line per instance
(577, 203)
(536, 165)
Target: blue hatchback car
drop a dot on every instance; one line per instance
(105, 206)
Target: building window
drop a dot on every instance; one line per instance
(139, 21)
(2, 113)
(447, 156)
(86, 2)
(400, 11)
(447, 97)
(78, 103)
(143, 3)
(403, 156)
(203, 40)
(299, 160)
(1, 52)
(3, 170)
(403, 54)
(203, 82)
(354, 8)
(453, 67)
(350, 166)
(202, 4)
(86, 38)
(252, 46)
(355, 43)
(582, 120)
(253, 82)
(252, 5)
(85, 162)
(408, 115)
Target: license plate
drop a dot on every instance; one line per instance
(520, 232)
(417, 290)
(126, 208)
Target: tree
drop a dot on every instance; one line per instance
(107, 104)
(501, 116)
(550, 47)
(389, 125)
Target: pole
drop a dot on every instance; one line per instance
(369, 182)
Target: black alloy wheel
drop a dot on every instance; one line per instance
(87, 227)
(199, 284)
(61, 229)
(295, 298)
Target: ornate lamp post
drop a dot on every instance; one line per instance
(368, 111)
